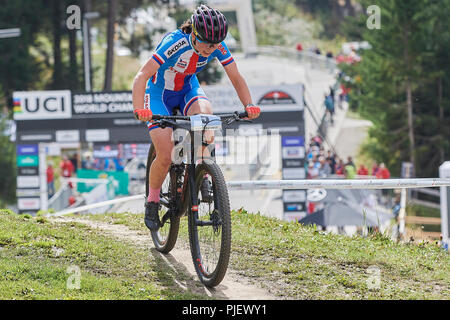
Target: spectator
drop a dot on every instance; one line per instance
(50, 180)
(74, 160)
(324, 169)
(375, 169)
(316, 162)
(67, 169)
(87, 163)
(383, 172)
(350, 162)
(313, 172)
(329, 104)
(331, 158)
(344, 93)
(118, 164)
(339, 167)
(350, 172)
(109, 165)
(317, 140)
(332, 93)
(363, 171)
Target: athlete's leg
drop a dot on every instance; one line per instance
(162, 140)
(196, 102)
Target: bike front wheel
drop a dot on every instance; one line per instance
(210, 229)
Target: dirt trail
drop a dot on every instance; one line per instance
(233, 286)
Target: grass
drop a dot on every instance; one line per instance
(290, 260)
(298, 262)
(42, 260)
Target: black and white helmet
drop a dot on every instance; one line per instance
(209, 25)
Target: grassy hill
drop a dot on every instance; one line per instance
(40, 256)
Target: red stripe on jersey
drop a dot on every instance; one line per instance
(191, 68)
(158, 58)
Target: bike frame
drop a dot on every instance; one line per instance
(180, 204)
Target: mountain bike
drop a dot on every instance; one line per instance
(198, 191)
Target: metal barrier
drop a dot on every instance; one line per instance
(60, 199)
(312, 59)
(299, 184)
(340, 184)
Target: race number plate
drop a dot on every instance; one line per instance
(201, 122)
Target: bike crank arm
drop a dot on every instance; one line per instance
(202, 223)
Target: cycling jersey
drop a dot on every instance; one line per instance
(175, 83)
(179, 62)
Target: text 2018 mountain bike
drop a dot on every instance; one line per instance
(198, 191)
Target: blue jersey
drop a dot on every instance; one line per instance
(179, 62)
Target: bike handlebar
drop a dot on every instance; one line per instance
(237, 115)
(164, 121)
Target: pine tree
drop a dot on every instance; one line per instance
(402, 85)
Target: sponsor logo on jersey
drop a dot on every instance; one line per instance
(182, 63)
(175, 47)
(201, 63)
(222, 49)
(277, 97)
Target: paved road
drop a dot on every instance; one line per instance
(266, 70)
(352, 134)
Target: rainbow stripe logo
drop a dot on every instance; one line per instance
(17, 105)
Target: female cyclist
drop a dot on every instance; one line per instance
(168, 80)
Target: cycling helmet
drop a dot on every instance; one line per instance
(209, 25)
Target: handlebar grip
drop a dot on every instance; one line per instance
(243, 114)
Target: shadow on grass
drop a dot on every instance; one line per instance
(174, 273)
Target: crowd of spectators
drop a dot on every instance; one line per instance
(324, 164)
(102, 164)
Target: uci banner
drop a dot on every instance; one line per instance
(37, 105)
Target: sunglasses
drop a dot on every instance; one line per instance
(211, 45)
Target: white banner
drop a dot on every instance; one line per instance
(271, 98)
(37, 105)
(28, 203)
(28, 182)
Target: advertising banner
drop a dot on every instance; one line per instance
(102, 104)
(27, 149)
(28, 171)
(293, 160)
(120, 177)
(27, 181)
(32, 204)
(27, 161)
(35, 105)
(65, 116)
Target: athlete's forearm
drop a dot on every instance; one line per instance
(242, 90)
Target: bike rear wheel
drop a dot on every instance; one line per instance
(210, 235)
(165, 237)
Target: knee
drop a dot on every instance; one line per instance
(208, 137)
(164, 157)
(207, 108)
